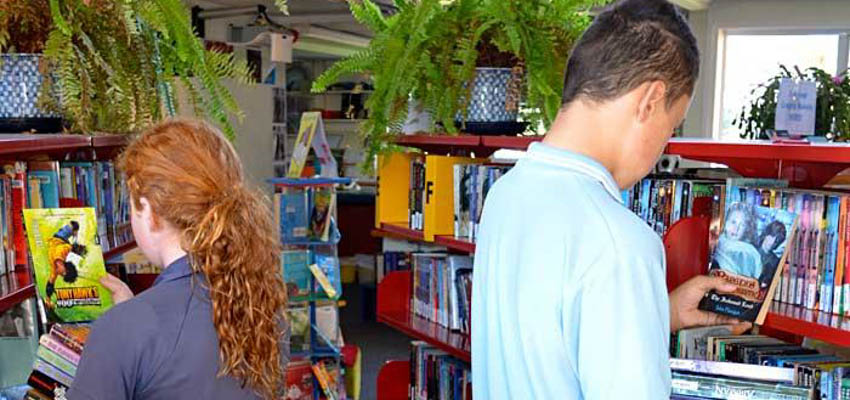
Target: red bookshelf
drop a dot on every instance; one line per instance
(394, 380)
(15, 287)
(400, 231)
(393, 309)
(461, 245)
(118, 250)
(480, 145)
(23, 144)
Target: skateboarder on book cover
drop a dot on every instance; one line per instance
(569, 295)
(64, 254)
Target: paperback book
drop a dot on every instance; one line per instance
(68, 263)
(749, 252)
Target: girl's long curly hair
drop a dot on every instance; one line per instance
(193, 179)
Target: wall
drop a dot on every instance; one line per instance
(755, 15)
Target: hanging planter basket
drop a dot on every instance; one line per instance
(21, 80)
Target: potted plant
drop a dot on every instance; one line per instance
(112, 66)
(832, 114)
(428, 51)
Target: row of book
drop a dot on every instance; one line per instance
(442, 289)
(472, 182)
(435, 375)
(712, 363)
(54, 184)
(661, 201)
(305, 214)
(814, 273)
(57, 359)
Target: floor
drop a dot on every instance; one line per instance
(378, 342)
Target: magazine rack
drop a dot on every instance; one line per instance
(321, 348)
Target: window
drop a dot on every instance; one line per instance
(751, 59)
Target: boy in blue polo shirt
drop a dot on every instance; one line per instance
(569, 295)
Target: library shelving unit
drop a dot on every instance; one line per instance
(685, 243)
(316, 295)
(17, 285)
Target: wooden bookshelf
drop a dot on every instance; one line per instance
(118, 250)
(26, 145)
(18, 285)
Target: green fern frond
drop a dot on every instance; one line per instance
(369, 14)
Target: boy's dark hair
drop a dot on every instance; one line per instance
(775, 229)
(75, 226)
(628, 44)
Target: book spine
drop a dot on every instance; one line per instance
(66, 338)
(44, 384)
(840, 254)
(56, 361)
(19, 200)
(53, 372)
(60, 349)
(324, 381)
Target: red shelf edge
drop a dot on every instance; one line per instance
(13, 298)
(118, 250)
(808, 328)
(455, 244)
(405, 328)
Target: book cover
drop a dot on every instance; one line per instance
(837, 292)
(299, 321)
(323, 281)
(693, 342)
(68, 264)
(321, 212)
(729, 388)
(299, 380)
(750, 249)
(294, 219)
(74, 336)
(328, 266)
(296, 273)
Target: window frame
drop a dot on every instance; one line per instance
(843, 50)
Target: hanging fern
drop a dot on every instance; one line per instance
(113, 63)
(428, 51)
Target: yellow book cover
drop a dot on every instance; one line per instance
(68, 263)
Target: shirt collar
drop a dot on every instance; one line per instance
(179, 268)
(575, 162)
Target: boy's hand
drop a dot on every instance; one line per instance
(685, 299)
(120, 291)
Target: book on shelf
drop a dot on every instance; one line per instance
(68, 263)
(662, 201)
(325, 380)
(814, 274)
(291, 211)
(441, 289)
(391, 261)
(321, 212)
(299, 380)
(296, 272)
(471, 184)
(436, 375)
(416, 203)
(760, 367)
(327, 275)
(299, 322)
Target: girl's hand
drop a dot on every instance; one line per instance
(120, 291)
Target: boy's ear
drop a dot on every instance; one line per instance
(652, 99)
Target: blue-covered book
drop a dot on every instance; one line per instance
(296, 273)
(47, 174)
(329, 265)
(293, 214)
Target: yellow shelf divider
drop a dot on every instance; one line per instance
(439, 194)
(393, 193)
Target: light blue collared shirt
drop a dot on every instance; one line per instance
(569, 296)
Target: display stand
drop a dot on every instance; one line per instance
(322, 347)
